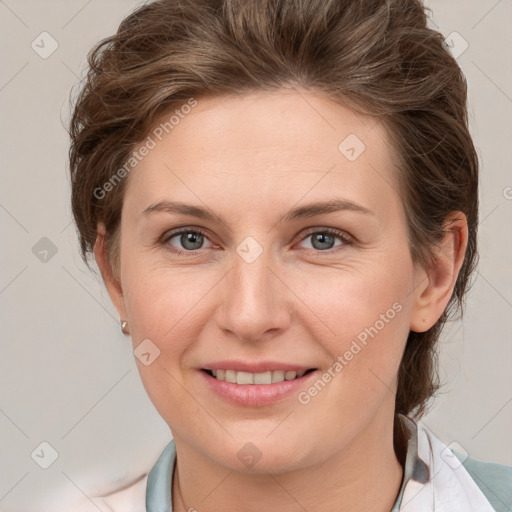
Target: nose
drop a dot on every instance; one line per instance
(256, 303)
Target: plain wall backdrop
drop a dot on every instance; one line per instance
(67, 374)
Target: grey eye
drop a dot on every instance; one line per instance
(187, 240)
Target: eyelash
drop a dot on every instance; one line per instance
(325, 231)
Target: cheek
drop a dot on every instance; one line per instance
(362, 296)
(163, 307)
(367, 313)
(165, 303)
(170, 307)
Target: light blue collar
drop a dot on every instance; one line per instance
(158, 489)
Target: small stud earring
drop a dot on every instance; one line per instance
(124, 327)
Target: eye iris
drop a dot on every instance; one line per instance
(193, 240)
(322, 238)
(196, 239)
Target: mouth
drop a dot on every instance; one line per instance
(264, 378)
(256, 383)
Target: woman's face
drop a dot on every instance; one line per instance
(267, 280)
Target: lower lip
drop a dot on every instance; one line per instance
(255, 395)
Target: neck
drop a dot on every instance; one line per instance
(363, 476)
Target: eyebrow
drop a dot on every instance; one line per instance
(301, 212)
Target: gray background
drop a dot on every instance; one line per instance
(68, 376)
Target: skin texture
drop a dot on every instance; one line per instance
(250, 159)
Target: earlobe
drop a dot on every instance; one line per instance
(112, 284)
(432, 298)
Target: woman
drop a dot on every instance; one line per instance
(282, 198)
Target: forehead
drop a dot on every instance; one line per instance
(265, 148)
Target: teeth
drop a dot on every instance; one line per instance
(277, 376)
(269, 377)
(244, 378)
(230, 376)
(263, 378)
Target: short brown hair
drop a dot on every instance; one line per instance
(376, 56)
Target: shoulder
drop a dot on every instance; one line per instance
(128, 498)
(494, 480)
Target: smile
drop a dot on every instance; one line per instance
(261, 388)
(268, 377)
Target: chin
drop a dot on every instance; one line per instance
(262, 455)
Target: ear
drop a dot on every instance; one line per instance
(434, 286)
(112, 283)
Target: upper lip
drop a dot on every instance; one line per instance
(252, 367)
